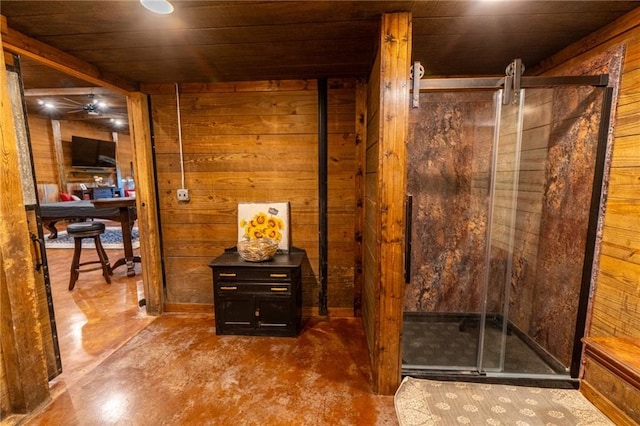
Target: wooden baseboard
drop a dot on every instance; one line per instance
(196, 308)
(314, 311)
(607, 407)
(206, 308)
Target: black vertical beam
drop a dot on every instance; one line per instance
(322, 191)
(592, 231)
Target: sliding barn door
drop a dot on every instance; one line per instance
(30, 198)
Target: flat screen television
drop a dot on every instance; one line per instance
(87, 152)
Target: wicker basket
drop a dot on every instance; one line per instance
(258, 250)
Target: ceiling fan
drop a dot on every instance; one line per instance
(94, 106)
(79, 103)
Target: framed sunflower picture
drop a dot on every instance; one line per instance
(265, 220)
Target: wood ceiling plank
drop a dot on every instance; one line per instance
(122, 16)
(218, 52)
(480, 9)
(220, 33)
(513, 24)
(135, 37)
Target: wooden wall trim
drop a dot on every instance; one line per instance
(229, 87)
(618, 355)
(621, 25)
(323, 240)
(21, 336)
(395, 61)
(361, 153)
(21, 44)
(146, 202)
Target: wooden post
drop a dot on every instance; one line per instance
(58, 156)
(21, 336)
(395, 61)
(146, 203)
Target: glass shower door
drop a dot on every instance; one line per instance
(539, 272)
(503, 220)
(501, 232)
(450, 160)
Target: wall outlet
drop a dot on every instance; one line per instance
(183, 194)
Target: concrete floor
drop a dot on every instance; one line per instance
(124, 368)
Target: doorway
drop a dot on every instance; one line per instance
(95, 318)
(503, 188)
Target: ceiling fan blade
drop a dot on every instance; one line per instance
(72, 101)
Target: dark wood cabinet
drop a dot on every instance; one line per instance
(262, 298)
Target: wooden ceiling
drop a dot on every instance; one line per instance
(209, 41)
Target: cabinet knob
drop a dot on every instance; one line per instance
(278, 288)
(257, 313)
(227, 274)
(278, 275)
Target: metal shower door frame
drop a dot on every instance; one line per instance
(509, 85)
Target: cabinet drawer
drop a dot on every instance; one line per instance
(232, 287)
(253, 274)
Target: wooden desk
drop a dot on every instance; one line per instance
(51, 213)
(124, 204)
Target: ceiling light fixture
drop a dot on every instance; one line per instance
(163, 7)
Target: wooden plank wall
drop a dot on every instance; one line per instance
(43, 148)
(616, 304)
(616, 307)
(251, 142)
(341, 194)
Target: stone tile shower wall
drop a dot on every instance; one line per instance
(449, 155)
(545, 295)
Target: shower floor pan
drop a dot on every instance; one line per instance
(444, 346)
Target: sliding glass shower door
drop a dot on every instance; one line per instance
(449, 180)
(501, 194)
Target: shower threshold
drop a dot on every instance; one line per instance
(443, 346)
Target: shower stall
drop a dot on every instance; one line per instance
(503, 195)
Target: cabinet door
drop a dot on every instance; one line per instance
(274, 312)
(235, 312)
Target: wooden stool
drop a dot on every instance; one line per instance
(88, 230)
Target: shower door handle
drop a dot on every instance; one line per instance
(408, 211)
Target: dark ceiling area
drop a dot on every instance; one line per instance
(212, 41)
